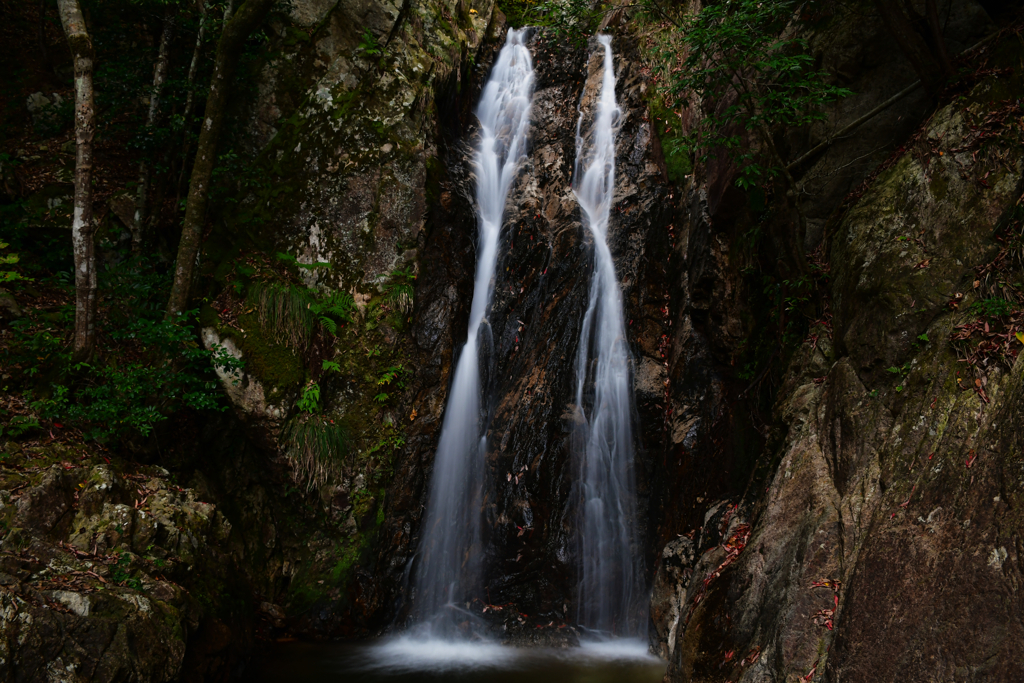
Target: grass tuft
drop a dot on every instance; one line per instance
(317, 447)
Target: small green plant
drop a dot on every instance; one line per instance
(330, 366)
(399, 296)
(901, 372)
(292, 314)
(121, 573)
(288, 258)
(8, 260)
(309, 402)
(317, 447)
(19, 425)
(368, 44)
(393, 376)
(392, 438)
(992, 308)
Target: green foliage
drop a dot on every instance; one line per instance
(393, 376)
(368, 44)
(371, 49)
(8, 260)
(399, 292)
(391, 439)
(993, 308)
(745, 57)
(337, 307)
(902, 370)
(317, 447)
(18, 426)
(309, 402)
(288, 258)
(572, 21)
(121, 573)
(166, 370)
(291, 314)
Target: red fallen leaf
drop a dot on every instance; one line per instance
(58, 425)
(972, 456)
(729, 655)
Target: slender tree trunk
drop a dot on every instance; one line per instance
(82, 226)
(159, 78)
(249, 16)
(189, 100)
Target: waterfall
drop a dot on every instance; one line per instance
(609, 591)
(448, 576)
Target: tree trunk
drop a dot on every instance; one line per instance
(911, 43)
(82, 226)
(249, 16)
(189, 98)
(159, 78)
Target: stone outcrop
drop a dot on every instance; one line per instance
(98, 569)
(879, 535)
(540, 296)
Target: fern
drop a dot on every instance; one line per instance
(328, 324)
(340, 305)
(291, 314)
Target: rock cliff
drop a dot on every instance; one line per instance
(829, 472)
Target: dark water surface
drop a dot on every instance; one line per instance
(405, 660)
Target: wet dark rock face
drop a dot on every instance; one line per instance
(541, 292)
(865, 538)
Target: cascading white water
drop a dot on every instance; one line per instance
(610, 575)
(448, 575)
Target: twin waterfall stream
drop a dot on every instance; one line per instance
(598, 607)
(610, 592)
